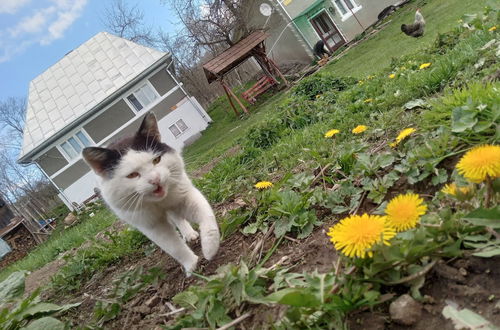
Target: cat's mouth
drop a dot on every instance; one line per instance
(159, 191)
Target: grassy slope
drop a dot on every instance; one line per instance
(366, 58)
(376, 53)
(62, 241)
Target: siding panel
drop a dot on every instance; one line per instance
(162, 82)
(109, 121)
(52, 161)
(71, 174)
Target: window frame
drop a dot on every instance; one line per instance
(137, 96)
(66, 141)
(356, 7)
(178, 127)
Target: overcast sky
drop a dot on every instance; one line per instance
(35, 34)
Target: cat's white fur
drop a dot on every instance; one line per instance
(157, 215)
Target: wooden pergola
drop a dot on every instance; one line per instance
(253, 45)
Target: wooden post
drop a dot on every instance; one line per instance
(229, 98)
(229, 91)
(278, 71)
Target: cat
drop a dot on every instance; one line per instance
(144, 182)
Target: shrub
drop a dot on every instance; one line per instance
(321, 83)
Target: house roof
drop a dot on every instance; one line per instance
(80, 82)
(233, 56)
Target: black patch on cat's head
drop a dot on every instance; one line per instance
(101, 160)
(104, 160)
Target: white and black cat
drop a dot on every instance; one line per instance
(145, 184)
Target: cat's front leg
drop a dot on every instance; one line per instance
(167, 238)
(197, 210)
(187, 232)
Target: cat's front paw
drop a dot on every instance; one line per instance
(190, 266)
(191, 236)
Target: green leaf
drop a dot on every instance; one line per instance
(488, 252)
(467, 319)
(45, 323)
(45, 308)
(12, 287)
(186, 299)
(481, 126)
(417, 103)
(298, 297)
(462, 119)
(484, 217)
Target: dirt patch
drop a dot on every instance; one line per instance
(470, 283)
(41, 277)
(149, 308)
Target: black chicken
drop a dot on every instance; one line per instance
(417, 28)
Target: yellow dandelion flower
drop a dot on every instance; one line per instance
(359, 129)
(356, 235)
(392, 76)
(425, 65)
(361, 82)
(393, 144)
(493, 28)
(480, 163)
(452, 189)
(368, 100)
(403, 135)
(263, 185)
(331, 133)
(404, 211)
(318, 96)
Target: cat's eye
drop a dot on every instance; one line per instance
(156, 160)
(133, 175)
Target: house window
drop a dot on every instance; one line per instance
(142, 97)
(178, 128)
(346, 7)
(73, 146)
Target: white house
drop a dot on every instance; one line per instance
(95, 94)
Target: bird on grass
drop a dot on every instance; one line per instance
(417, 28)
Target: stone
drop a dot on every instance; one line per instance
(70, 219)
(405, 310)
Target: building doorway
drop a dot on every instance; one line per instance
(327, 31)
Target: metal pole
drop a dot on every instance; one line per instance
(353, 14)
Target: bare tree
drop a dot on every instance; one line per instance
(12, 113)
(128, 22)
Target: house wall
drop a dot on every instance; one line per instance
(367, 16)
(67, 177)
(52, 161)
(283, 45)
(162, 82)
(303, 10)
(297, 7)
(109, 121)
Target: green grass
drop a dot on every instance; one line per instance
(376, 53)
(62, 241)
(366, 58)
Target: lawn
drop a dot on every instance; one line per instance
(362, 60)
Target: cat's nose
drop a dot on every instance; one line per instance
(155, 181)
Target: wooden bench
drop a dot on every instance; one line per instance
(262, 85)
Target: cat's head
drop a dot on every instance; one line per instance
(136, 167)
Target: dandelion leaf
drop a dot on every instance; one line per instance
(467, 319)
(45, 323)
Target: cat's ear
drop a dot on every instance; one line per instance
(101, 160)
(149, 127)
